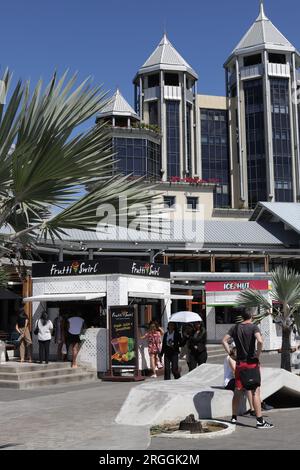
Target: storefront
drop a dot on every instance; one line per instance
(88, 289)
(222, 310)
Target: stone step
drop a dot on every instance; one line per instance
(26, 375)
(75, 377)
(17, 367)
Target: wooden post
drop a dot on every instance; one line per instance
(148, 314)
(212, 264)
(27, 292)
(189, 303)
(267, 263)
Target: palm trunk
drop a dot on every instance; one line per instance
(286, 349)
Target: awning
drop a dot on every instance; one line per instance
(63, 297)
(6, 294)
(150, 295)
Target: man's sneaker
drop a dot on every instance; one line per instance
(233, 421)
(264, 425)
(250, 413)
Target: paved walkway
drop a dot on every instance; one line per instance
(284, 436)
(82, 417)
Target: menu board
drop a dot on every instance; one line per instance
(123, 337)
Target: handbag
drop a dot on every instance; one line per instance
(36, 330)
(250, 378)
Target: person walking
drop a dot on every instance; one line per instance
(25, 341)
(43, 329)
(245, 336)
(196, 343)
(74, 328)
(170, 351)
(59, 336)
(153, 337)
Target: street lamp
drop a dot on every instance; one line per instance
(157, 254)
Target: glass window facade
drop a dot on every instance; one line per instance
(192, 203)
(255, 134)
(173, 138)
(215, 153)
(137, 157)
(282, 145)
(189, 138)
(169, 202)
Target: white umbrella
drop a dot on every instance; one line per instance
(185, 317)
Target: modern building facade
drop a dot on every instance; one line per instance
(246, 143)
(261, 83)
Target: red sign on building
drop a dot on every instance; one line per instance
(230, 286)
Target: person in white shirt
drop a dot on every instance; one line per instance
(75, 326)
(43, 329)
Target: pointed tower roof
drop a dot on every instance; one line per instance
(117, 106)
(263, 34)
(165, 57)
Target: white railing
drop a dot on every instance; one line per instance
(151, 93)
(251, 71)
(279, 70)
(172, 92)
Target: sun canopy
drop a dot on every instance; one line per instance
(6, 294)
(150, 295)
(64, 297)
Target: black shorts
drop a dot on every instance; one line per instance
(73, 339)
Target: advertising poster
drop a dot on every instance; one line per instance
(122, 322)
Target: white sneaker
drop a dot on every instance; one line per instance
(154, 376)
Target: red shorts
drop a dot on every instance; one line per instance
(239, 366)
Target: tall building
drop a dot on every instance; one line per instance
(165, 95)
(245, 143)
(261, 81)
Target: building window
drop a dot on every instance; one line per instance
(226, 315)
(252, 60)
(255, 134)
(282, 144)
(215, 153)
(169, 202)
(173, 138)
(171, 79)
(192, 203)
(189, 138)
(277, 58)
(153, 80)
(153, 113)
(137, 157)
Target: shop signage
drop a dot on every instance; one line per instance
(105, 266)
(230, 286)
(122, 337)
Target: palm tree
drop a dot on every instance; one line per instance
(284, 306)
(51, 178)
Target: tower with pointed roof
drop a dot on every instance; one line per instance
(136, 147)
(165, 95)
(261, 83)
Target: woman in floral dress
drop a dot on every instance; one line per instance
(154, 337)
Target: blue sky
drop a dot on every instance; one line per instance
(110, 40)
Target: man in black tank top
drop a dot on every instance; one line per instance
(246, 335)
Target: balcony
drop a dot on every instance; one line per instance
(151, 94)
(172, 92)
(279, 70)
(253, 71)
